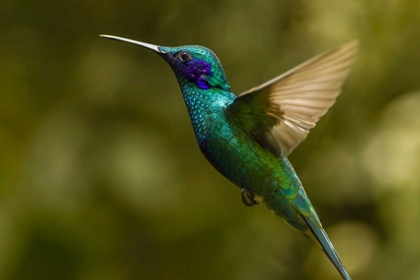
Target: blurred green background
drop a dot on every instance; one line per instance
(100, 175)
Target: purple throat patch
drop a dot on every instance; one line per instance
(195, 70)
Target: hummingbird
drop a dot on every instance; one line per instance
(248, 137)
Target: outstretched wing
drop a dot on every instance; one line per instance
(280, 112)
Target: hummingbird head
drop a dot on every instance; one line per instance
(196, 65)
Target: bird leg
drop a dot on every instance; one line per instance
(248, 198)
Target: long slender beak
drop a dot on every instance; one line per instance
(141, 44)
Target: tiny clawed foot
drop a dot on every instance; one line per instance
(248, 198)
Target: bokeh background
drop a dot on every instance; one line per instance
(100, 175)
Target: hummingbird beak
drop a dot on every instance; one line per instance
(141, 44)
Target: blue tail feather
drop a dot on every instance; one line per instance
(328, 248)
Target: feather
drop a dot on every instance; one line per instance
(319, 235)
(285, 108)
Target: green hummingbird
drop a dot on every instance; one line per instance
(248, 137)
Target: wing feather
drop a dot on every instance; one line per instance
(296, 100)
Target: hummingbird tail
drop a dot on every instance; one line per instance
(326, 245)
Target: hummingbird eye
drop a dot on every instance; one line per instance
(184, 56)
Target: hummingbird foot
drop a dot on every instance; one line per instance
(248, 198)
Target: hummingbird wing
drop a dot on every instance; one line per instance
(280, 112)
